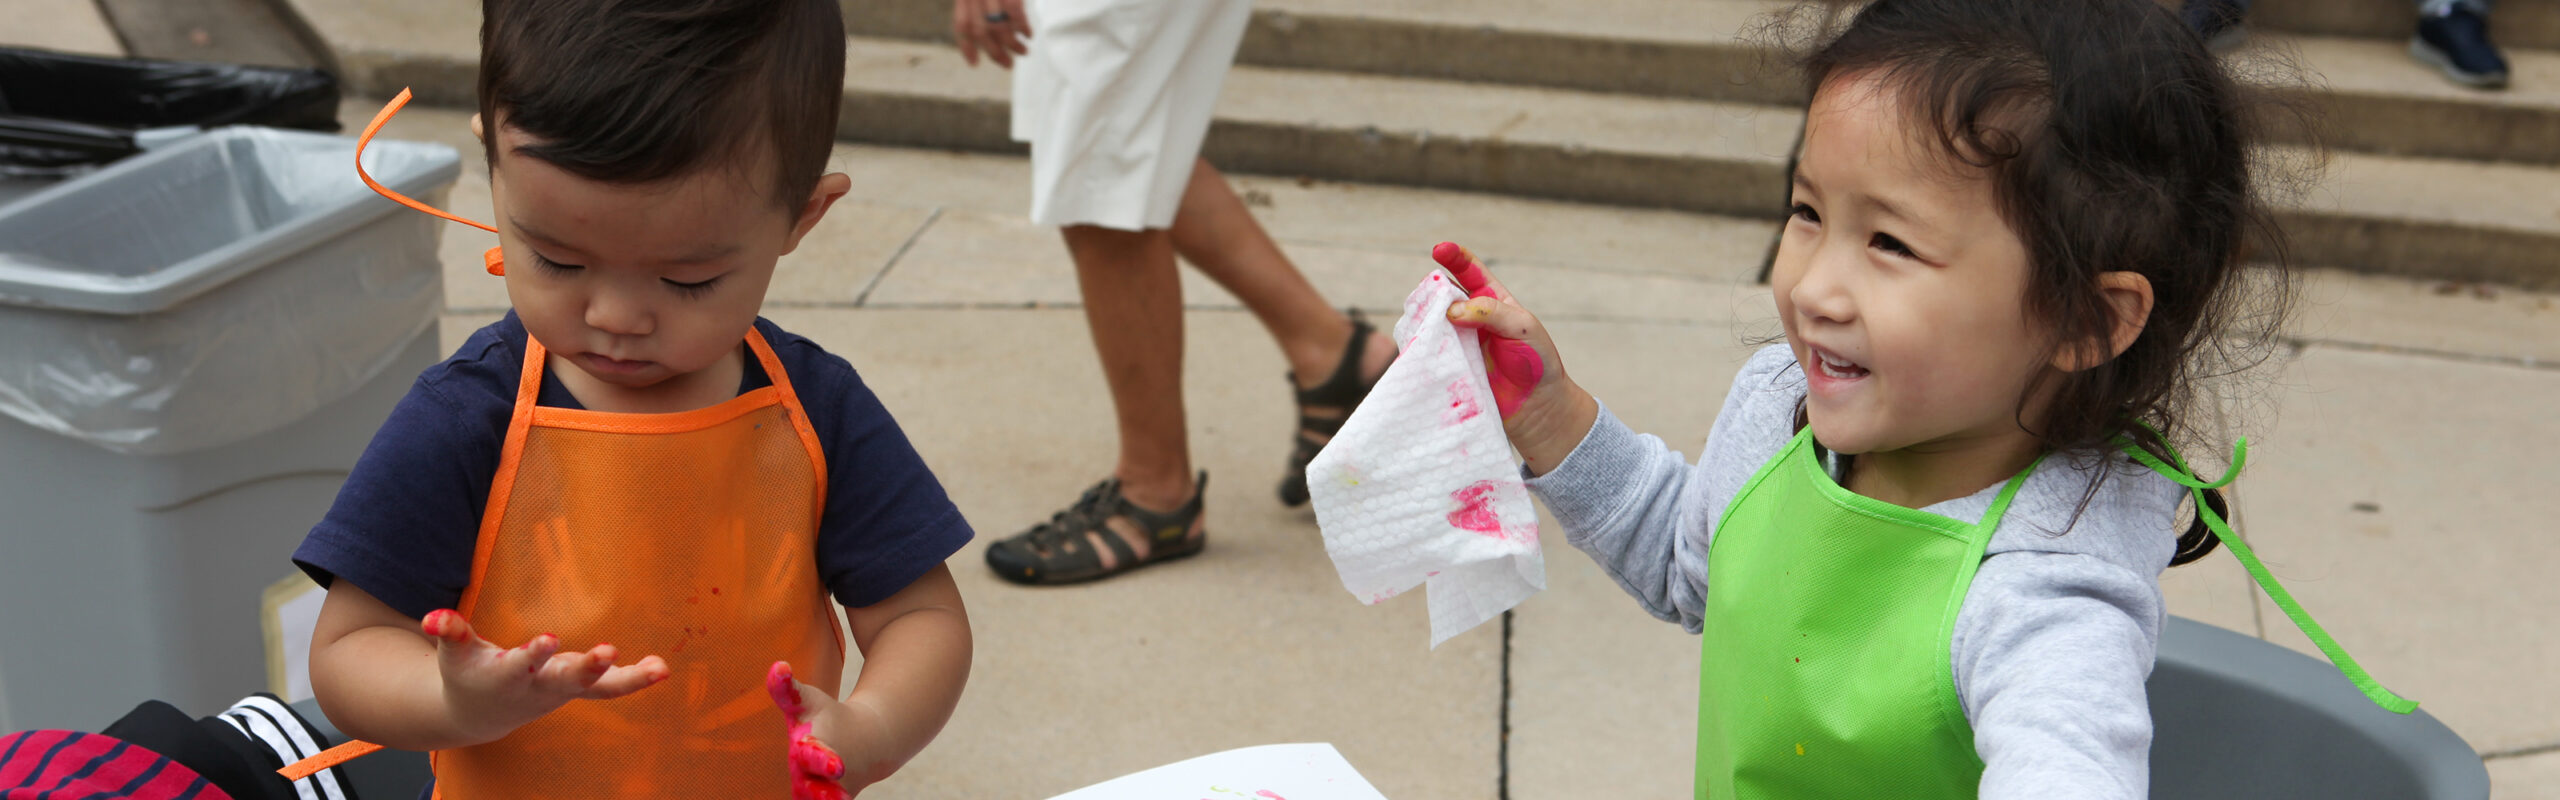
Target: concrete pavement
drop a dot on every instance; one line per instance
(2398, 480)
(2418, 400)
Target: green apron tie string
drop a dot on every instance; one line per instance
(2346, 664)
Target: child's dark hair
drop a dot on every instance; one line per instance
(2114, 142)
(636, 91)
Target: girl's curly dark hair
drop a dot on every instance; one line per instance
(2115, 142)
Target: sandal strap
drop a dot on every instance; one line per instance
(1167, 527)
(1344, 387)
(1059, 544)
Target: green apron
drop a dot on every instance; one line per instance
(1826, 668)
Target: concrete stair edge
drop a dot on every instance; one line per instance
(2367, 241)
(2378, 116)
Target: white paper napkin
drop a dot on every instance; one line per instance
(1419, 487)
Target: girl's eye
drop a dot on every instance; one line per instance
(1805, 212)
(695, 289)
(1886, 242)
(549, 265)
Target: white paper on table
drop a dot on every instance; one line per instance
(1269, 772)
(1419, 486)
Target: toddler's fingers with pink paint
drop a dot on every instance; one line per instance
(1470, 272)
(458, 648)
(1490, 305)
(815, 767)
(1517, 354)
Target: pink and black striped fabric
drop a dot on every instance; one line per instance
(69, 765)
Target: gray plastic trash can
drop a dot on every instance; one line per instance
(195, 345)
(2234, 716)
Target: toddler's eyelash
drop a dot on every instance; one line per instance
(692, 290)
(553, 266)
(1804, 212)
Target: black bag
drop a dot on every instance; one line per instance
(60, 112)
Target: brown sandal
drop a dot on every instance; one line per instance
(1058, 551)
(1344, 390)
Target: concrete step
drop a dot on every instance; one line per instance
(1689, 155)
(2533, 24)
(1668, 48)
(2377, 100)
(2412, 216)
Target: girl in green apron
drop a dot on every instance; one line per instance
(1923, 542)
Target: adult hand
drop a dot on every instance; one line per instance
(492, 691)
(995, 27)
(1544, 413)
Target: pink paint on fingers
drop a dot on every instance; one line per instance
(777, 682)
(1461, 264)
(809, 788)
(1515, 370)
(1267, 793)
(812, 757)
(1519, 361)
(443, 623)
(1475, 509)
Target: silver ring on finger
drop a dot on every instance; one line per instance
(999, 18)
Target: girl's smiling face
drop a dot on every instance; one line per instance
(1901, 286)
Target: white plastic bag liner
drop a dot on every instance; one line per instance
(226, 286)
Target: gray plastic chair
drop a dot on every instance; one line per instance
(2237, 717)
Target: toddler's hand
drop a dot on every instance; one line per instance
(493, 691)
(817, 772)
(1543, 412)
(1516, 349)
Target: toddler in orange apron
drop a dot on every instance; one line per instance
(588, 554)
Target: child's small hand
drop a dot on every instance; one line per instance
(493, 691)
(1543, 411)
(817, 772)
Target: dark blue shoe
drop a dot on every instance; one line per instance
(2218, 22)
(2457, 42)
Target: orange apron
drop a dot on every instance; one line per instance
(691, 536)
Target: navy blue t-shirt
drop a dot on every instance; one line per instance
(404, 525)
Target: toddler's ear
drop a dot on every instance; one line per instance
(831, 187)
(476, 132)
(2128, 299)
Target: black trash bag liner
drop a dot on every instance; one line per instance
(60, 112)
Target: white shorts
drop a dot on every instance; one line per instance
(1114, 100)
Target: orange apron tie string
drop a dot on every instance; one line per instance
(327, 758)
(494, 258)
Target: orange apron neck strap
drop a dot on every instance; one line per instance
(529, 387)
(493, 259)
(327, 758)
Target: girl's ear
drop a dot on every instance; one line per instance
(2128, 299)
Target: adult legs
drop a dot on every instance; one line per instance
(1215, 232)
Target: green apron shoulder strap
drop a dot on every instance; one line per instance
(2258, 571)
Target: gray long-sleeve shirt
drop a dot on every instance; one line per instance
(2056, 634)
